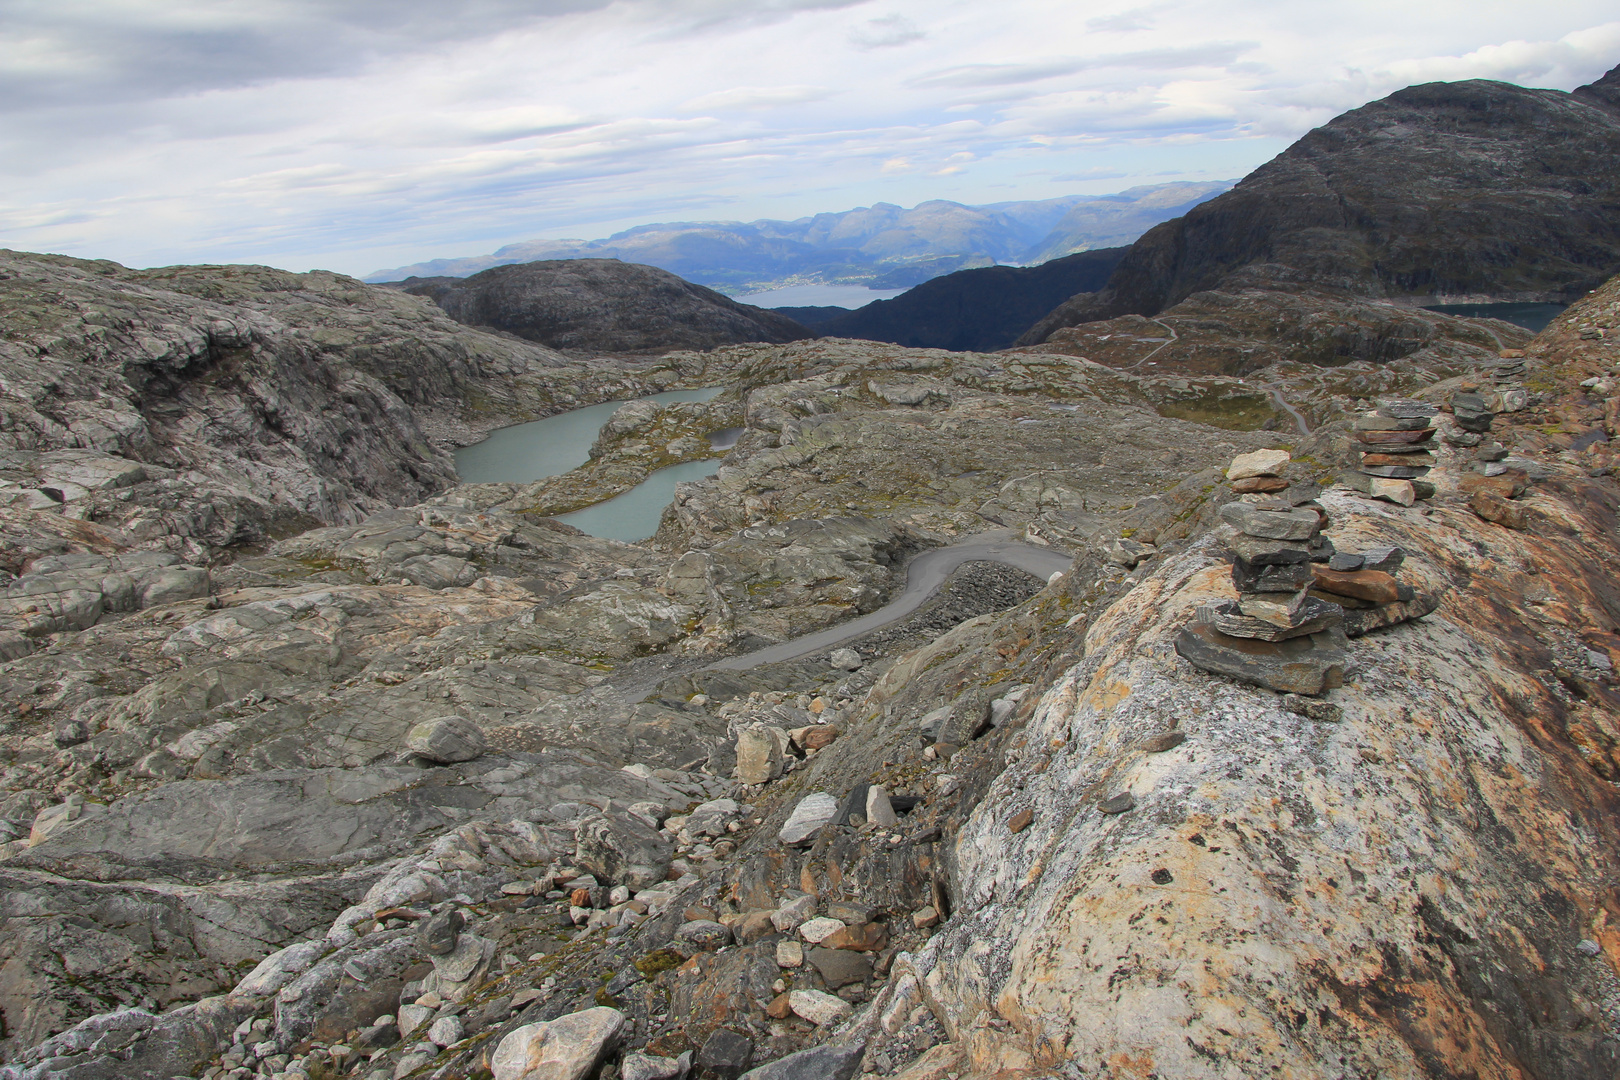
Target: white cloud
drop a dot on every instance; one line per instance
(755, 97)
(306, 132)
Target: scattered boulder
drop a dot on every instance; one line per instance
(761, 750)
(438, 934)
(620, 848)
(567, 1048)
(819, 1008)
(705, 935)
(447, 740)
(1257, 463)
(1127, 552)
(845, 660)
(726, 1054)
(637, 1066)
(840, 967)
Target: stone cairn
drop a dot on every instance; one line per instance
(1298, 598)
(1396, 446)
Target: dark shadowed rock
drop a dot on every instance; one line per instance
(602, 304)
(817, 1063)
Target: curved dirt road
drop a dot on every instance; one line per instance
(924, 575)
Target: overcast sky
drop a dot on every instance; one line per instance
(358, 134)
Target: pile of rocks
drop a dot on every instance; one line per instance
(1395, 444)
(1512, 366)
(1276, 633)
(1298, 598)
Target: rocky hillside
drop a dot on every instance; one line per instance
(601, 305)
(451, 789)
(973, 310)
(1469, 191)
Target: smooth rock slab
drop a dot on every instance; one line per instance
(1289, 524)
(818, 928)
(812, 812)
(816, 1063)
(1302, 665)
(813, 1005)
(566, 1048)
(1257, 463)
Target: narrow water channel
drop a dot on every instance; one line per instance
(524, 453)
(528, 452)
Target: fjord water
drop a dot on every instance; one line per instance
(1533, 317)
(524, 453)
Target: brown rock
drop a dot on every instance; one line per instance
(818, 737)
(1158, 744)
(1499, 511)
(1021, 820)
(1259, 483)
(580, 898)
(1374, 586)
(699, 914)
(752, 926)
(872, 937)
(779, 1009)
(1509, 485)
(1421, 458)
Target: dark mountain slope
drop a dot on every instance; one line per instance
(1470, 190)
(975, 310)
(603, 305)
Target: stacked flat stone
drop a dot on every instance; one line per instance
(1512, 366)
(1276, 633)
(1396, 447)
(1364, 586)
(1474, 413)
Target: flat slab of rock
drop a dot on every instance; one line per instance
(816, 1063)
(808, 817)
(818, 1008)
(1257, 463)
(1374, 586)
(1272, 524)
(1302, 665)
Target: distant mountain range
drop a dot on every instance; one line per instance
(977, 310)
(881, 246)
